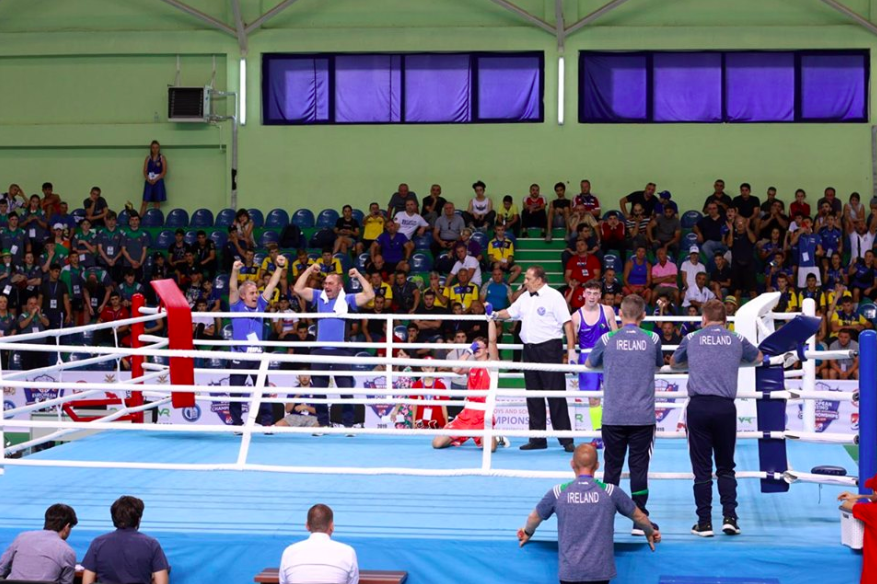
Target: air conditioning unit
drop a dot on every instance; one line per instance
(188, 104)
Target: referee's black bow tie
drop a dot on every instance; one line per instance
(534, 294)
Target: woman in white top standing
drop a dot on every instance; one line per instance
(480, 214)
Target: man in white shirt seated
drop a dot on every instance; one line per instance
(318, 558)
(699, 293)
(411, 223)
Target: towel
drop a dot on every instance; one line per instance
(341, 306)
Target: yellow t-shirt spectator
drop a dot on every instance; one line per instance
(465, 295)
(387, 292)
(372, 227)
(501, 250)
(299, 267)
(503, 215)
(248, 274)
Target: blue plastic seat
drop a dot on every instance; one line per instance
(353, 286)
(689, 239)
(257, 218)
(202, 219)
(327, 218)
(220, 238)
(361, 261)
(481, 238)
(608, 214)
(304, 219)
(165, 239)
(78, 214)
(227, 332)
(277, 218)
(401, 331)
(225, 218)
(345, 261)
(153, 218)
(177, 218)
(690, 218)
(612, 261)
(191, 237)
(122, 218)
(359, 216)
(423, 241)
(421, 262)
(267, 237)
(220, 283)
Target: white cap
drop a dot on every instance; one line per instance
(694, 249)
(59, 226)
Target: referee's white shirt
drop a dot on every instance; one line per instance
(319, 559)
(542, 317)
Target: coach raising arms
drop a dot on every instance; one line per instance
(713, 355)
(544, 318)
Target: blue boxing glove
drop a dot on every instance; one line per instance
(473, 348)
(488, 308)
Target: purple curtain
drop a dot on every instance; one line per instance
(368, 88)
(438, 88)
(833, 87)
(687, 87)
(614, 88)
(297, 90)
(509, 88)
(760, 87)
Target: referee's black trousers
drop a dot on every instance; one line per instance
(712, 431)
(547, 352)
(639, 441)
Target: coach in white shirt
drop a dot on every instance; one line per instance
(410, 221)
(318, 558)
(545, 318)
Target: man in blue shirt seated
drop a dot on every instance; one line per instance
(43, 555)
(125, 555)
(585, 510)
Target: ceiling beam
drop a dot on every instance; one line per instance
(269, 15)
(526, 16)
(585, 21)
(559, 24)
(206, 18)
(239, 26)
(849, 13)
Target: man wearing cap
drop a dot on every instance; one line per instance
(135, 244)
(730, 303)
(545, 318)
(691, 267)
(55, 299)
(664, 201)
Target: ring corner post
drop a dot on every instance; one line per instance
(179, 333)
(867, 408)
(137, 329)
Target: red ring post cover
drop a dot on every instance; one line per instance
(179, 333)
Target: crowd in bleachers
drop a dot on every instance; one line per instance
(62, 268)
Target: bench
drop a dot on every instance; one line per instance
(271, 576)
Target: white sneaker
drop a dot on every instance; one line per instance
(502, 442)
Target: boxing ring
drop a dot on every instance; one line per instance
(225, 505)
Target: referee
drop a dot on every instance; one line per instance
(629, 357)
(544, 317)
(713, 355)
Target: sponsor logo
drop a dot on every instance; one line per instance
(222, 411)
(826, 410)
(854, 421)
(378, 383)
(164, 413)
(540, 311)
(38, 395)
(664, 385)
(8, 391)
(8, 405)
(192, 414)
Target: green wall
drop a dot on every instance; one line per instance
(84, 91)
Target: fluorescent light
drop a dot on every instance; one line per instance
(560, 90)
(243, 93)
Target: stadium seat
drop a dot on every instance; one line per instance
(312, 330)
(314, 256)
(259, 257)
(227, 332)
(220, 238)
(165, 239)
(401, 331)
(220, 283)
(688, 240)
(353, 286)
(868, 310)
(78, 357)
(612, 261)
(690, 219)
(257, 218)
(87, 338)
(361, 261)
(345, 261)
(481, 238)
(15, 361)
(191, 237)
(177, 218)
(423, 241)
(277, 218)
(122, 218)
(327, 218)
(421, 262)
(359, 216)
(78, 214)
(608, 214)
(304, 219)
(225, 218)
(148, 239)
(202, 219)
(153, 218)
(321, 238)
(267, 237)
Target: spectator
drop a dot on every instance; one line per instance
(586, 202)
(847, 318)
(508, 216)
(427, 326)
(861, 240)
(501, 253)
(55, 299)
(832, 239)
(699, 293)
(243, 224)
(746, 204)
(815, 293)
(135, 244)
(14, 239)
(406, 295)
(249, 271)
(690, 326)
(447, 230)
(4, 213)
(853, 212)
(558, 211)
(788, 301)
(43, 555)
(741, 241)
(664, 276)
(721, 278)
(205, 327)
(378, 265)
(464, 261)
(645, 197)
(863, 277)
(480, 213)
(125, 555)
(433, 205)
(844, 368)
(14, 197)
(709, 231)
(53, 253)
(381, 289)
(464, 292)
(719, 198)
(33, 277)
(809, 250)
(399, 200)
(582, 266)
(612, 235)
(302, 262)
(372, 227)
(669, 336)
(665, 231)
(767, 205)
(346, 231)
(63, 217)
(830, 197)
(35, 226)
(51, 201)
(113, 312)
(154, 171)
(637, 275)
(730, 303)
(609, 284)
(496, 291)
(319, 558)
(375, 329)
(774, 269)
(437, 284)
(429, 416)
(73, 276)
(394, 247)
(110, 247)
(800, 206)
(774, 219)
(96, 208)
(636, 227)
(300, 414)
(665, 199)
(534, 214)
(410, 222)
(835, 273)
(205, 254)
(96, 293)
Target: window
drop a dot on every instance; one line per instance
(430, 88)
(730, 87)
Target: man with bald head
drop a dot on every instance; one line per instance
(586, 511)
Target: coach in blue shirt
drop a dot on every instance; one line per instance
(247, 330)
(585, 510)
